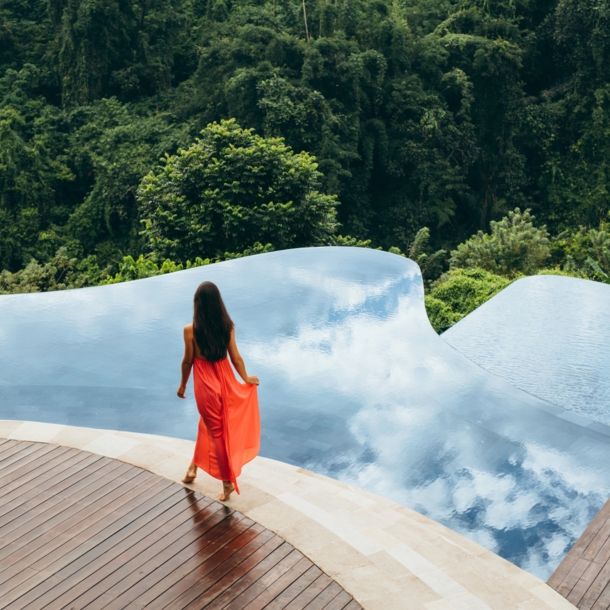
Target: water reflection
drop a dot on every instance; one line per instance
(547, 335)
(354, 384)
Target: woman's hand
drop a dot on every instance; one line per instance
(181, 391)
(252, 380)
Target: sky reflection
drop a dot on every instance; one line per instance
(355, 384)
(549, 336)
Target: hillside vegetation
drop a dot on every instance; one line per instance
(373, 118)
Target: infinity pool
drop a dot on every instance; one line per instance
(547, 335)
(355, 384)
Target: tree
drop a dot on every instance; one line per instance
(428, 262)
(483, 41)
(112, 149)
(568, 116)
(230, 189)
(514, 246)
(28, 179)
(437, 113)
(106, 47)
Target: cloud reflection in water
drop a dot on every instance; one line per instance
(355, 384)
(438, 434)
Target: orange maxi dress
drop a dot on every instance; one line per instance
(229, 426)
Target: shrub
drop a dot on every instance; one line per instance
(61, 272)
(514, 246)
(461, 291)
(441, 316)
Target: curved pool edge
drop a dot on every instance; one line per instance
(546, 335)
(545, 404)
(386, 555)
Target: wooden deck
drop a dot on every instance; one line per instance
(583, 577)
(79, 530)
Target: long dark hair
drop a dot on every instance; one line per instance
(211, 322)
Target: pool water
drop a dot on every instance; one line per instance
(355, 384)
(547, 335)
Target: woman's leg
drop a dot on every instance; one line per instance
(191, 474)
(211, 412)
(220, 449)
(227, 489)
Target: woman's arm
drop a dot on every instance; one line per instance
(187, 360)
(238, 362)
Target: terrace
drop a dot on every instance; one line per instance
(394, 471)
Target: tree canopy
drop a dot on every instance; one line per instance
(437, 113)
(232, 189)
(393, 116)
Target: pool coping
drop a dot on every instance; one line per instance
(385, 555)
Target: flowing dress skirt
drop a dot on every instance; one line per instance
(229, 426)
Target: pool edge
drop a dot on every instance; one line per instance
(386, 555)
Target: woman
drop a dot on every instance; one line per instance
(229, 426)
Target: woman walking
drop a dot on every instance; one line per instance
(229, 426)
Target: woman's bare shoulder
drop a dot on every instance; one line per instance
(188, 329)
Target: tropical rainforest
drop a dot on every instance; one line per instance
(140, 137)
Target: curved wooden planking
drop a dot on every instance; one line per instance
(79, 530)
(583, 577)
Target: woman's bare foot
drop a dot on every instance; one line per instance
(227, 489)
(191, 474)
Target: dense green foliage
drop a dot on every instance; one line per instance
(393, 116)
(514, 245)
(438, 113)
(459, 292)
(430, 263)
(63, 272)
(191, 209)
(487, 262)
